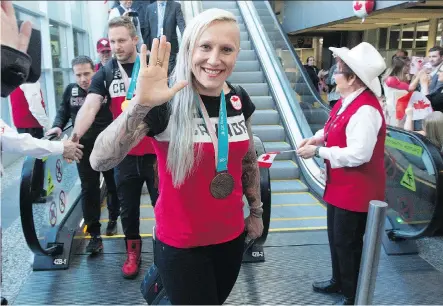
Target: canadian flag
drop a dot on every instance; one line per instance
(418, 102)
(265, 160)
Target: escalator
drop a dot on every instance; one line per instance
(296, 250)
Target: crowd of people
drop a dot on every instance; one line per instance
(137, 117)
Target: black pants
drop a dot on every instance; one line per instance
(38, 179)
(90, 181)
(201, 275)
(345, 232)
(130, 175)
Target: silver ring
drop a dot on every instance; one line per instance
(159, 63)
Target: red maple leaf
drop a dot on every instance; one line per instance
(358, 6)
(266, 157)
(421, 105)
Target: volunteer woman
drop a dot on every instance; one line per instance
(206, 158)
(352, 145)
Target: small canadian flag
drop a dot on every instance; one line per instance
(417, 101)
(265, 160)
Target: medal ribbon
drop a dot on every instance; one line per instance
(221, 143)
(130, 88)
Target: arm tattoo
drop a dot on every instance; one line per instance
(251, 173)
(119, 138)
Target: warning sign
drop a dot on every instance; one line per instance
(51, 186)
(58, 169)
(408, 180)
(62, 201)
(53, 214)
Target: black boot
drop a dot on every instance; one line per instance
(4, 301)
(345, 301)
(329, 286)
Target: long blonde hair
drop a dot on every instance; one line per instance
(181, 159)
(433, 127)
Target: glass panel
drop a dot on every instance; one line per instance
(440, 33)
(22, 16)
(394, 38)
(371, 37)
(411, 183)
(421, 40)
(56, 10)
(59, 183)
(383, 38)
(61, 80)
(407, 39)
(79, 46)
(58, 45)
(77, 13)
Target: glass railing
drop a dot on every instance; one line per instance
(414, 189)
(49, 193)
(414, 185)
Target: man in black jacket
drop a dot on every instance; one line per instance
(73, 98)
(162, 18)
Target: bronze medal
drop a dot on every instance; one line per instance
(222, 185)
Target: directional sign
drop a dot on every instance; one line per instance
(408, 180)
(59, 170)
(53, 214)
(62, 201)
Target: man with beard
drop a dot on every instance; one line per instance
(115, 84)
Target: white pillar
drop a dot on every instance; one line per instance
(97, 21)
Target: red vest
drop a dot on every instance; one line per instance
(117, 92)
(352, 188)
(21, 114)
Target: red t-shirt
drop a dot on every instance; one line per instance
(190, 216)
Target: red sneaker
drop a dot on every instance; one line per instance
(132, 264)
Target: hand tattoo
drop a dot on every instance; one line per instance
(119, 138)
(251, 173)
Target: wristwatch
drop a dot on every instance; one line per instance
(317, 152)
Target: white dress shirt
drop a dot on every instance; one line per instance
(34, 98)
(25, 144)
(361, 136)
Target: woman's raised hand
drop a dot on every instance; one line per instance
(152, 84)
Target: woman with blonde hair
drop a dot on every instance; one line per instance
(432, 127)
(206, 158)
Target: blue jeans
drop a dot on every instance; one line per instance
(130, 175)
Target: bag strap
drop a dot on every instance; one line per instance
(109, 73)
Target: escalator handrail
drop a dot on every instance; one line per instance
(281, 95)
(26, 203)
(281, 92)
(294, 56)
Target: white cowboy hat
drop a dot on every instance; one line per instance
(366, 62)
